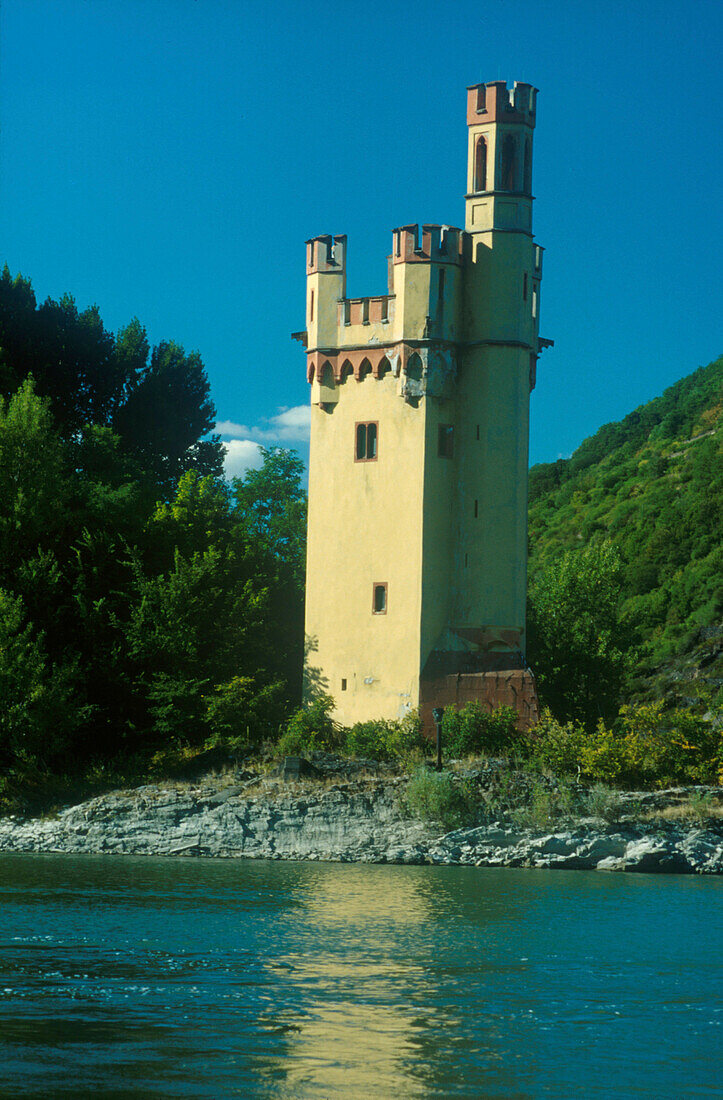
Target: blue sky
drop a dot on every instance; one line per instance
(167, 159)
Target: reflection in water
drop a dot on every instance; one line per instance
(357, 1033)
(207, 979)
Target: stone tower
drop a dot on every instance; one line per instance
(417, 542)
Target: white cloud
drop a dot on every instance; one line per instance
(241, 455)
(288, 426)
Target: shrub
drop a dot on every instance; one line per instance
(604, 803)
(544, 806)
(557, 746)
(470, 730)
(384, 739)
(241, 715)
(310, 728)
(436, 797)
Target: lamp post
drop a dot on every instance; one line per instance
(438, 715)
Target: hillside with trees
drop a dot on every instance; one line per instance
(651, 485)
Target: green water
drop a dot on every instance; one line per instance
(123, 977)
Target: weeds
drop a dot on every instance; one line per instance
(437, 797)
(604, 803)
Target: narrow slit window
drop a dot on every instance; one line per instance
(524, 287)
(478, 431)
(379, 599)
(466, 561)
(534, 301)
(445, 441)
(509, 163)
(311, 306)
(480, 165)
(440, 291)
(365, 311)
(365, 444)
(343, 685)
(476, 509)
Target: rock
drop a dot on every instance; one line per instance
(358, 818)
(297, 767)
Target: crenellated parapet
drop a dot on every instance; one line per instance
(440, 244)
(495, 102)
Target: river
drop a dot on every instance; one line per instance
(127, 977)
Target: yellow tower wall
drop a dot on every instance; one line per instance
(444, 364)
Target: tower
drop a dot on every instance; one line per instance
(417, 538)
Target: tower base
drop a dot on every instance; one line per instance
(491, 679)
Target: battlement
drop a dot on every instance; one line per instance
(364, 311)
(326, 253)
(440, 243)
(495, 102)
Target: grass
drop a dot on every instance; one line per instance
(698, 808)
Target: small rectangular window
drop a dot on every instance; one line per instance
(534, 301)
(379, 599)
(385, 309)
(478, 431)
(524, 287)
(311, 306)
(476, 509)
(365, 311)
(343, 685)
(445, 441)
(347, 311)
(365, 441)
(466, 561)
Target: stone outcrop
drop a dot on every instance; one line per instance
(351, 818)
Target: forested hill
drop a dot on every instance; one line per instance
(653, 484)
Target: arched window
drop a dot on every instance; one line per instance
(528, 168)
(509, 163)
(365, 368)
(414, 369)
(346, 370)
(384, 367)
(480, 165)
(327, 375)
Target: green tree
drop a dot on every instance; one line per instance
(33, 478)
(579, 643)
(270, 516)
(157, 401)
(41, 708)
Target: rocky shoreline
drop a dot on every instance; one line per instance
(351, 817)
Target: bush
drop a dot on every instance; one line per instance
(471, 730)
(310, 728)
(645, 747)
(604, 803)
(384, 739)
(241, 715)
(435, 797)
(557, 746)
(544, 806)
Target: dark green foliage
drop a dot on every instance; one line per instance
(653, 486)
(471, 730)
(157, 402)
(579, 642)
(140, 612)
(241, 715)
